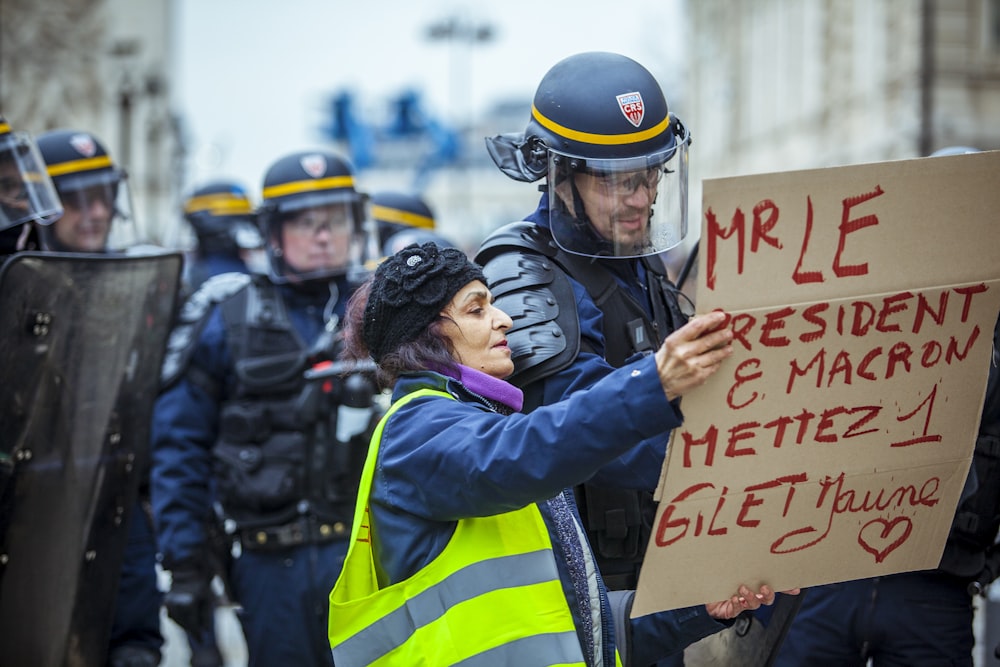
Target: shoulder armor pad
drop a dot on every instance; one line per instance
(521, 235)
(191, 319)
(538, 296)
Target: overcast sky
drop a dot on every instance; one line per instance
(254, 76)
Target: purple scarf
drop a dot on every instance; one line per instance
(491, 388)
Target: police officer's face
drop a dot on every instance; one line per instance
(476, 329)
(318, 239)
(618, 205)
(86, 219)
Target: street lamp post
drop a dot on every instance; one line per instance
(459, 31)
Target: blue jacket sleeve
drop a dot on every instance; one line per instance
(184, 429)
(445, 460)
(657, 635)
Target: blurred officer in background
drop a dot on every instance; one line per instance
(402, 219)
(395, 211)
(26, 191)
(601, 135)
(228, 240)
(225, 224)
(255, 431)
(94, 193)
(97, 219)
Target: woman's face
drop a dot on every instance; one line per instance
(475, 328)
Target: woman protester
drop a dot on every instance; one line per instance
(466, 545)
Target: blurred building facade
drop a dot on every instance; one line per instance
(102, 66)
(779, 85)
(775, 85)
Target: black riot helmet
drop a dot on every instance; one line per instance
(223, 218)
(305, 195)
(26, 191)
(398, 211)
(601, 131)
(94, 193)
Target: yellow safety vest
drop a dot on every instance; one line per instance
(491, 597)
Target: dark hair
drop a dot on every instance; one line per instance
(430, 350)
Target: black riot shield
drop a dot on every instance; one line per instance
(82, 338)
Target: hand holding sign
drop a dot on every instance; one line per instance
(690, 355)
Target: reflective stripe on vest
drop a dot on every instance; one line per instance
(491, 597)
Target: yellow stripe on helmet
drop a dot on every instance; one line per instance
(75, 166)
(396, 215)
(4, 127)
(218, 203)
(602, 139)
(311, 185)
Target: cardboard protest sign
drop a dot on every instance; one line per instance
(835, 442)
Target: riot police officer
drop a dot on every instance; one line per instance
(26, 191)
(97, 218)
(94, 192)
(395, 211)
(222, 217)
(615, 161)
(401, 219)
(241, 422)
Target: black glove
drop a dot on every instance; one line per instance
(190, 601)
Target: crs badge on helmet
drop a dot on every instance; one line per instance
(307, 194)
(603, 117)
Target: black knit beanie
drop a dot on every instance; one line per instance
(409, 290)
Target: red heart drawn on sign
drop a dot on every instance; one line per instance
(871, 532)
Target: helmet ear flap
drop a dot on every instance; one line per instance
(521, 158)
(267, 219)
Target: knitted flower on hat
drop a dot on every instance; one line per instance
(408, 292)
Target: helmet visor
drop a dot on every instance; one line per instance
(314, 243)
(97, 217)
(626, 207)
(26, 191)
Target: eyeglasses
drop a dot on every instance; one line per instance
(624, 184)
(82, 200)
(312, 222)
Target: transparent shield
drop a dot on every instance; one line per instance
(81, 343)
(97, 217)
(629, 207)
(315, 243)
(26, 191)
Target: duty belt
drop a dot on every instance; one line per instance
(301, 531)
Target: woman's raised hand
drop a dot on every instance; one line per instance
(690, 355)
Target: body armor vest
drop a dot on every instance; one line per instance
(278, 462)
(619, 521)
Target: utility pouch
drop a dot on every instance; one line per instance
(275, 374)
(260, 478)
